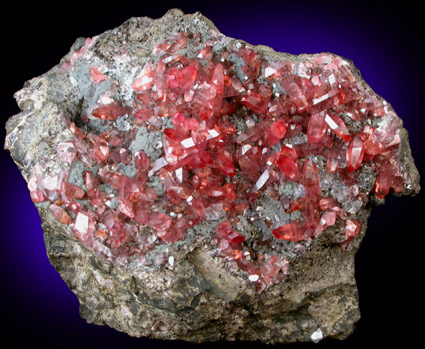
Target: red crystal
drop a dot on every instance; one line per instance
(37, 196)
(257, 103)
(355, 153)
(288, 167)
(311, 179)
(96, 76)
(352, 228)
(294, 92)
(310, 212)
(254, 133)
(83, 226)
(141, 161)
(143, 114)
(110, 112)
(292, 231)
(159, 221)
(372, 144)
(332, 161)
(383, 182)
(337, 125)
(145, 79)
(60, 214)
(73, 191)
(225, 230)
(225, 164)
(327, 203)
(316, 128)
(288, 151)
(276, 132)
(328, 219)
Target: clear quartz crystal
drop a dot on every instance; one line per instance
(317, 336)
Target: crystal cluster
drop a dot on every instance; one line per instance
(194, 187)
(235, 127)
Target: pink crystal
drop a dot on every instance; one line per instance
(143, 114)
(145, 79)
(96, 76)
(276, 132)
(73, 191)
(292, 231)
(230, 235)
(60, 214)
(352, 228)
(37, 196)
(327, 203)
(76, 55)
(337, 125)
(255, 102)
(66, 152)
(316, 128)
(110, 112)
(332, 160)
(83, 226)
(355, 153)
(328, 219)
(288, 167)
(159, 221)
(225, 164)
(294, 92)
(383, 183)
(311, 179)
(141, 161)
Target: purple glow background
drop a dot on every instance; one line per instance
(383, 41)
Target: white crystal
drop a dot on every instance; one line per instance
(269, 71)
(214, 212)
(245, 148)
(81, 223)
(50, 182)
(32, 183)
(299, 191)
(171, 260)
(212, 134)
(352, 206)
(317, 336)
(332, 124)
(188, 142)
(320, 99)
(179, 174)
(158, 163)
(262, 180)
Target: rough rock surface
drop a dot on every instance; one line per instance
(197, 295)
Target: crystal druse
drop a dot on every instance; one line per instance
(193, 186)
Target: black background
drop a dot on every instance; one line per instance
(37, 308)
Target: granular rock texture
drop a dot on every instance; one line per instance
(192, 186)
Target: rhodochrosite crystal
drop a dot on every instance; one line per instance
(193, 186)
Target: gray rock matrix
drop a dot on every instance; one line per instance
(196, 296)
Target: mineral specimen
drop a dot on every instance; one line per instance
(195, 187)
